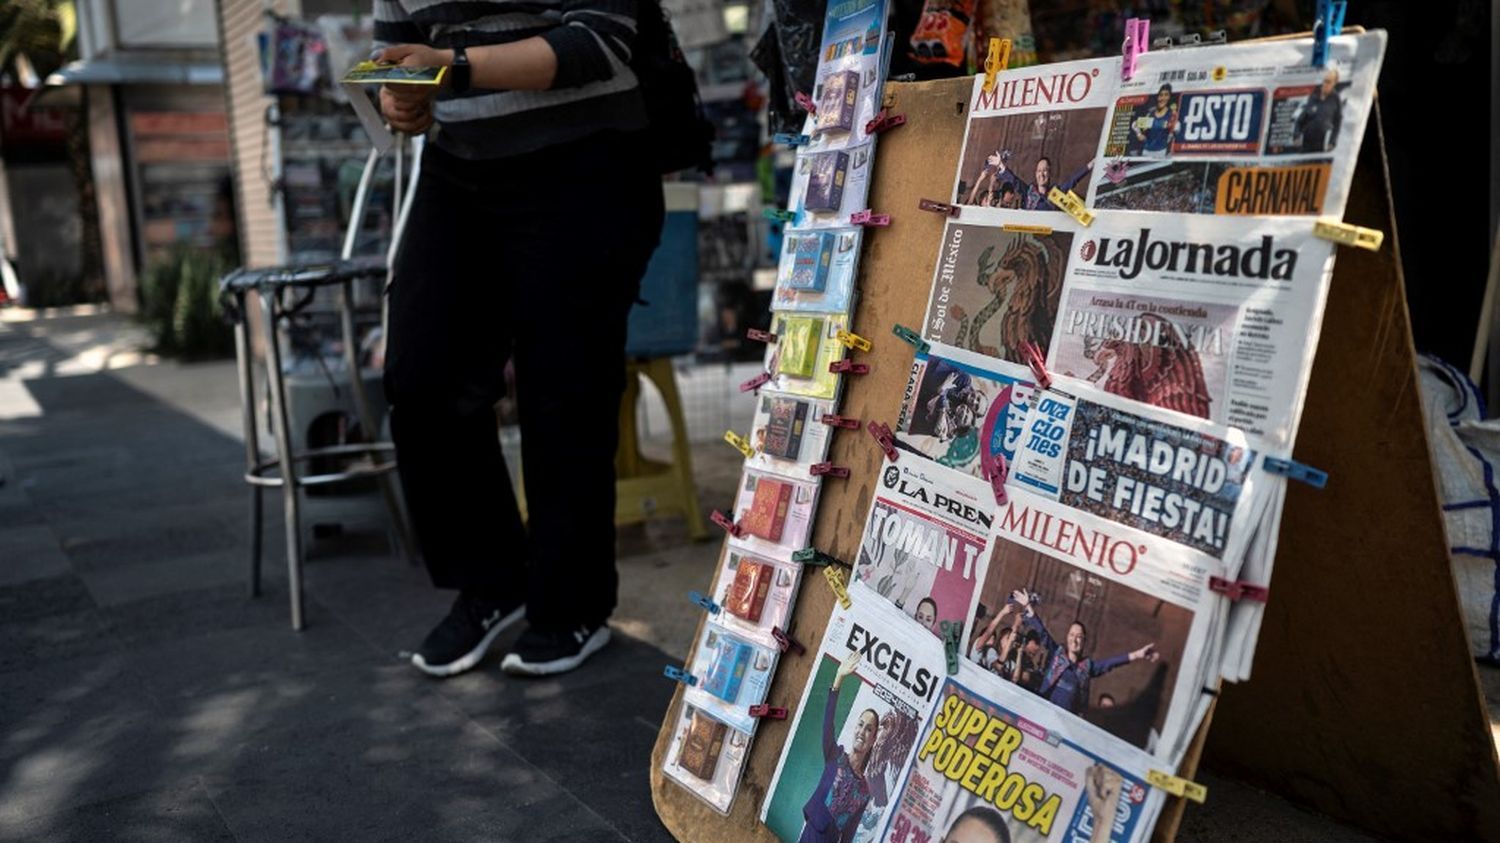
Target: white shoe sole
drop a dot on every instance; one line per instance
(513, 663)
(471, 658)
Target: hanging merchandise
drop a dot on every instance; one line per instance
(943, 32)
(1008, 19)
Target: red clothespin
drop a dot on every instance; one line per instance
(729, 526)
(806, 102)
(774, 712)
(833, 420)
(756, 382)
(1137, 41)
(997, 477)
(882, 433)
(1239, 590)
(937, 207)
(758, 335)
(883, 120)
(786, 642)
(1031, 355)
(819, 469)
(849, 366)
(868, 217)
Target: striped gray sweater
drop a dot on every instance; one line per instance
(594, 88)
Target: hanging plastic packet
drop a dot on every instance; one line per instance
(942, 32)
(707, 757)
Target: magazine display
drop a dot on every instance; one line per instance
(733, 673)
(855, 729)
(827, 187)
(990, 758)
(1251, 130)
(806, 345)
(816, 272)
(851, 74)
(756, 593)
(1183, 480)
(926, 542)
(962, 410)
(1207, 317)
(707, 757)
(788, 433)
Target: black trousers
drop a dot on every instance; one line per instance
(536, 257)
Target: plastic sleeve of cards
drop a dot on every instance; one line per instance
(707, 756)
(733, 672)
(787, 435)
(816, 271)
(757, 593)
(806, 345)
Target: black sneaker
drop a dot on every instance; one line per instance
(465, 635)
(541, 653)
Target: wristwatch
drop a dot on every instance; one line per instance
(460, 70)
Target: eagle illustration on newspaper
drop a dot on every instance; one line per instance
(1026, 284)
(1168, 374)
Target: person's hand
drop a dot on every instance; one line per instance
(1147, 652)
(1020, 598)
(846, 669)
(408, 108)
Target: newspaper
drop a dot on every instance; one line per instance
(1240, 130)
(1186, 481)
(926, 541)
(872, 683)
(1106, 623)
(1200, 315)
(993, 765)
(962, 410)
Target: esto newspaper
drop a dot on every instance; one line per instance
(871, 686)
(993, 765)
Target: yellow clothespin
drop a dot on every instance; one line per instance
(852, 340)
(740, 444)
(1177, 786)
(997, 60)
(1072, 204)
(836, 582)
(1040, 230)
(1349, 235)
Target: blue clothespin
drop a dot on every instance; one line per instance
(1293, 470)
(1330, 22)
(708, 605)
(789, 139)
(677, 674)
(775, 215)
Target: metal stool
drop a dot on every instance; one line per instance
(273, 286)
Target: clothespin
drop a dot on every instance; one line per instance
(835, 579)
(758, 335)
(1031, 355)
(1177, 786)
(849, 366)
(775, 215)
(1116, 171)
(937, 207)
(1330, 22)
(1137, 41)
(756, 382)
(852, 340)
(952, 636)
(1072, 204)
(1293, 470)
(882, 433)
(814, 557)
(806, 102)
(996, 60)
(1039, 230)
(912, 338)
(679, 674)
(1348, 235)
(739, 443)
(997, 479)
(833, 420)
(1236, 590)
(868, 217)
(790, 139)
(883, 120)
(708, 605)
(785, 642)
(774, 712)
(729, 526)
(819, 469)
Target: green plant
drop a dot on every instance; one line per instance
(180, 303)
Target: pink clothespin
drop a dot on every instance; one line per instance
(806, 102)
(833, 420)
(1237, 590)
(758, 335)
(1137, 41)
(868, 217)
(756, 382)
(937, 207)
(884, 120)
(730, 527)
(882, 433)
(819, 469)
(850, 367)
(786, 642)
(1031, 355)
(997, 477)
(774, 712)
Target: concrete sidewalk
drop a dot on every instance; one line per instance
(144, 695)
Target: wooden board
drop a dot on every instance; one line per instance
(1362, 584)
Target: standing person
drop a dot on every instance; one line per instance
(1033, 196)
(1066, 677)
(833, 810)
(1155, 129)
(500, 260)
(1322, 115)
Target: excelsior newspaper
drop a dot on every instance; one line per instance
(992, 764)
(872, 684)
